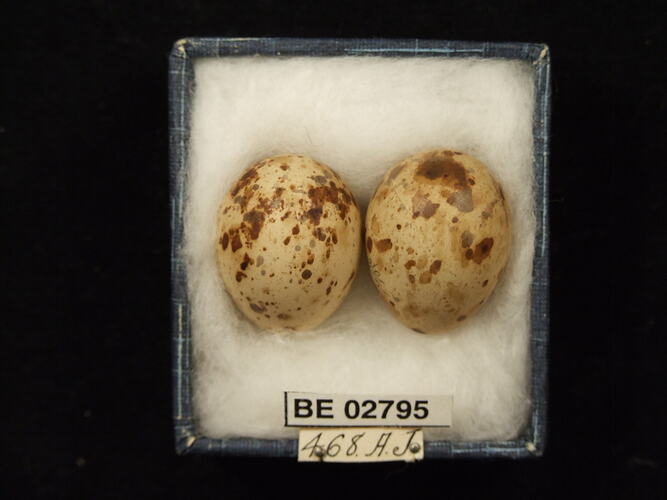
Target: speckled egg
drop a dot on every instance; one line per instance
(438, 236)
(289, 242)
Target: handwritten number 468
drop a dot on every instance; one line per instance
(333, 448)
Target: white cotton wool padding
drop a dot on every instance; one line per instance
(360, 116)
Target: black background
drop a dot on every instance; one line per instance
(85, 323)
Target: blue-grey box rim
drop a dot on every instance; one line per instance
(531, 442)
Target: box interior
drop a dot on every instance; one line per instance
(360, 116)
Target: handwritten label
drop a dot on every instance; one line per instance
(303, 409)
(361, 445)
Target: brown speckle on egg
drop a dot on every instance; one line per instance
(383, 245)
(422, 206)
(486, 213)
(246, 261)
(236, 239)
(466, 239)
(319, 234)
(314, 214)
(257, 308)
(482, 250)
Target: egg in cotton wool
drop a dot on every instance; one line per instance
(289, 242)
(438, 235)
